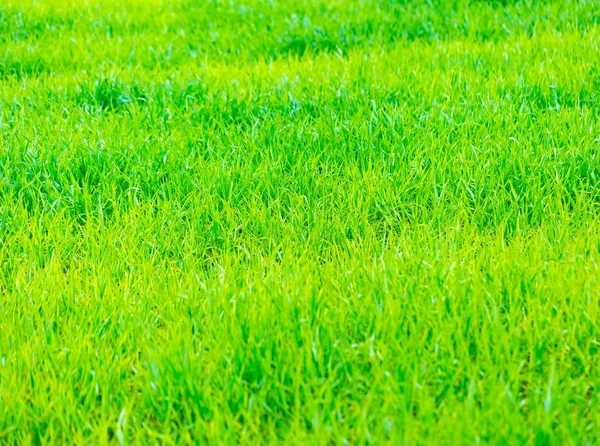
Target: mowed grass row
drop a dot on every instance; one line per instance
(388, 239)
(54, 36)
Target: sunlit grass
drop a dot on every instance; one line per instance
(299, 222)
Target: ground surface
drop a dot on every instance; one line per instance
(324, 222)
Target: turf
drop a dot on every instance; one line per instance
(299, 222)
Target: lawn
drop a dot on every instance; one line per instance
(299, 222)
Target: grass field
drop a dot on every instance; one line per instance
(299, 222)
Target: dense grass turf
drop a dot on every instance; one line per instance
(324, 222)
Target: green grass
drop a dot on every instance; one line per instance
(299, 222)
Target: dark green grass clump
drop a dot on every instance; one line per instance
(302, 222)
